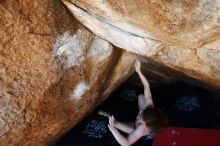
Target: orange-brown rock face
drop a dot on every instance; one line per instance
(184, 34)
(53, 71)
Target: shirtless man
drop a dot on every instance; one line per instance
(148, 122)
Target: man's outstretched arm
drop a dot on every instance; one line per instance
(147, 92)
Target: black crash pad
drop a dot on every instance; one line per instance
(185, 106)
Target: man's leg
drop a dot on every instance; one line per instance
(141, 102)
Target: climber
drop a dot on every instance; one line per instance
(148, 121)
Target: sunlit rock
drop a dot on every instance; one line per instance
(53, 71)
(183, 35)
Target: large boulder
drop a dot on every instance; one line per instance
(53, 71)
(183, 34)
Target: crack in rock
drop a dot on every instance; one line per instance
(119, 34)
